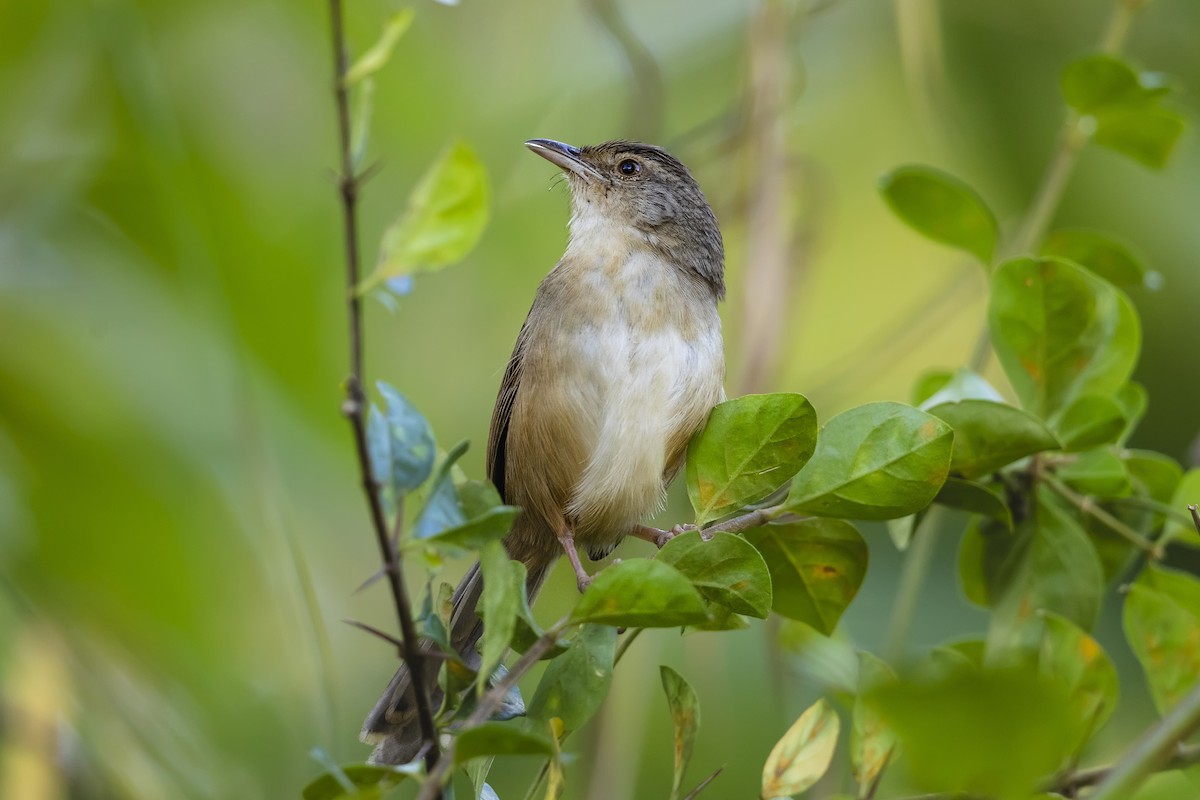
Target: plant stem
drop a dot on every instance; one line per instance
(1088, 506)
(625, 643)
(489, 702)
(354, 405)
(1069, 785)
(912, 578)
(752, 519)
(1155, 748)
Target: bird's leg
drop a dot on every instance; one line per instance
(567, 539)
(657, 536)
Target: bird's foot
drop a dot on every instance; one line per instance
(657, 536)
(583, 582)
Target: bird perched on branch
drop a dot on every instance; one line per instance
(616, 367)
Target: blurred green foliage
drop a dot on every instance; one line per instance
(180, 522)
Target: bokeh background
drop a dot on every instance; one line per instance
(181, 529)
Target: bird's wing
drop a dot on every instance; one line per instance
(502, 414)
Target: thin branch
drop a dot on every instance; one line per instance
(1195, 516)
(490, 702)
(1088, 506)
(912, 578)
(1068, 785)
(704, 783)
(625, 643)
(354, 406)
(645, 107)
(1152, 751)
(752, 519)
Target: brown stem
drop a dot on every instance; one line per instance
(1088, 506)
(354, 406)
(1070, 784)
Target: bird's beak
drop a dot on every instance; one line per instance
(564, 156)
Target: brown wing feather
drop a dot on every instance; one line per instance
(502, 414)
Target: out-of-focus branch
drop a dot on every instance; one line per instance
(922, 57)
(768, 235)
(1157, 747)
(646, 105)
(354, 406)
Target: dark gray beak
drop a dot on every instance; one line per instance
(565, 157)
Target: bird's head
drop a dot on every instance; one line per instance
(621, 188)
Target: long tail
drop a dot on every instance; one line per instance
(392, 725)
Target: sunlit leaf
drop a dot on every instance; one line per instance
(576, 682)
(943, 208)
(1072, 658)
(640, 593)
(1105, 256)
(990, 435)
(872, 742)
(877, 461)
(1060, 332)
(726, 569)
(952, 725)
(374, 59)
(749, 448)
(801, 757)
(816, 568)
(445, 217)
(685, 717)
(498, 739)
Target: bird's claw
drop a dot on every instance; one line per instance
(583, 582)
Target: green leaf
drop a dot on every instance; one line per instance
(640, 593)
(749, 447)
(878, 461)
(726, 569)
(928, 384)
(1090, 421)
(442, 510)
(503, 587)
(446, 215)
(1123, 108)
(1060, 332)
(374, 59)
(816, 568)
(575, 683)
(473, 534)
(943, 208)
(498, 739)
(974, 498)
(1187, 492)
(1073, 659)
(989, 557)
(720, 618)
(1105, 256)
(963, 384)
(1133, 400)
(872, 742)
(1165, 636)
(1157, 476)
(1099, 473)
(685, 715)
(357, 781)
(400, 442)
(802, 756)
(951, 726)
(901, 530)
(361, 125)
(990, 435)
(1058, 570)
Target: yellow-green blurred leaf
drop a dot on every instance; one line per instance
(801, 757)
(374, 59)
(685, 716)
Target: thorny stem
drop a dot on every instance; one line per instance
(490, 702)
(354, 406)
(1155, 748)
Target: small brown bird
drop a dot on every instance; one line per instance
(616, 367)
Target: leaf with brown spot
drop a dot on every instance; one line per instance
(802, 756)
(685, 714)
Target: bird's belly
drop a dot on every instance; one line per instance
(644, 395)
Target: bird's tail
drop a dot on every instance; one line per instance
(392, 726)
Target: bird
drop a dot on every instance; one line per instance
(616, 368)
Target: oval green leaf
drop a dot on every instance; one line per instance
(498, 739)
(816, 566)
(943, 208)
(1099, 473)
(749, 447)
(446, 214)
(990, 435)
(726, 569)
(1165, 636)
(401, 442)
(878, 461)
(1089, 421)
(576, 682)
(872, 742)
(1060, 332)
(358, 782)
(802, 756)
(974, 498)
(1077, 662)
(640, 593)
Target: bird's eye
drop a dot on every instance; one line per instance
(629, 167)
